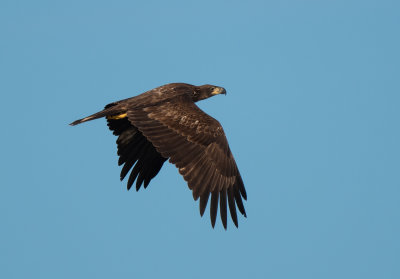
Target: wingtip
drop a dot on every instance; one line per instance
(236, 223)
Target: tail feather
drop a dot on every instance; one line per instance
(79, 121)
(106, 112)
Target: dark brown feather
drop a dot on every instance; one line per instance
(203, 202)
(222, 207)
(214, 207)
(232, 207)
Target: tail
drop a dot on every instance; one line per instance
(79, 121)
(108, 111)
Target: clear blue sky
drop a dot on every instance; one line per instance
(312, 117)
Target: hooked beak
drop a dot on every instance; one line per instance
(219, 90)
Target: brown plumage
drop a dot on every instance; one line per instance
(164, 123)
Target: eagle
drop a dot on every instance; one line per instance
(165, 124)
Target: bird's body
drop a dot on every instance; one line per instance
(164, 123)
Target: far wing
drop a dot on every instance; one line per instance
(135, 152)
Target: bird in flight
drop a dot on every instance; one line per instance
(165, 123)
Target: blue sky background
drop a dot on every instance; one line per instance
(312, 117)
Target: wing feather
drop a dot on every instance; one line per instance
(214, 207)
(232, 207)
(222, 207)
(203, 202)
(131, 157)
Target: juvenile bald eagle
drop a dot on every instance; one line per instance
(164, 123)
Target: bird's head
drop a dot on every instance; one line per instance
(206, 91)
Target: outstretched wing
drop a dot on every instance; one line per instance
(196, 143)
